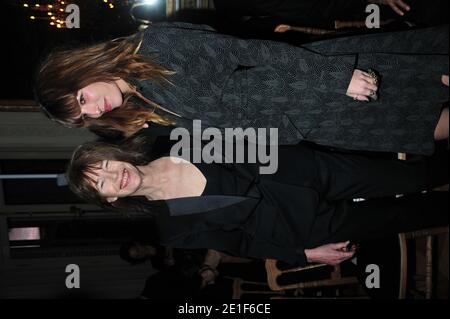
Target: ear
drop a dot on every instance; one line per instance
(111, 199)
(145, 125)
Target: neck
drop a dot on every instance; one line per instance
(124, 87)
(153, 180)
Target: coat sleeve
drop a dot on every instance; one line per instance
(239, 243)
(326, 72)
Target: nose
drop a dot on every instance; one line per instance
(94, 110)
(112, 176)
(91, 107)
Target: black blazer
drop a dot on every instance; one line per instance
(303, 205)
(270, 216)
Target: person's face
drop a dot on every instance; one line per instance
(115, 179)
(99, 98)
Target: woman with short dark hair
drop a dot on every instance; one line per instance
(302, 213)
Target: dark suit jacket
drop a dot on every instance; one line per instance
(273, 219)
(253, 228)
(303, 205)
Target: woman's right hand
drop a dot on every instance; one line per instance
(331, 254)
(282, 28)
(399, 6)
(362, 86)
(208, 275)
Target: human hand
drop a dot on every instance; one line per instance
(445, 80)
(363, 86)
(208, 276)
(398, 6)
(331, 254)
(282, 28)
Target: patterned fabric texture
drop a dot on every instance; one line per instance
(231, 82)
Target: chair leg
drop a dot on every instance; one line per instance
(237, 288)
(429, 268)
(403, 266)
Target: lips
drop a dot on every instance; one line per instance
(125, 179)
(107, 107)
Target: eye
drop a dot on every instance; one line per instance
(81, 99)
(100, 185)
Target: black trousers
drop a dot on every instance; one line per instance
(378, 179)
(346, 175)
(379, 218)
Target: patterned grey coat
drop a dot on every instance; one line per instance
(230, 82)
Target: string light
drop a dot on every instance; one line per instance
(54, 11)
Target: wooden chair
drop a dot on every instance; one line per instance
(335, 278)
(429, 234)
(338, 25)
(239, 289)
(427, 278)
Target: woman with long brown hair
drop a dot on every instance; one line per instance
(320, 92)
(101, 67)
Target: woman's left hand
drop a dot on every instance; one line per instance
(363, 86)
(445, 80)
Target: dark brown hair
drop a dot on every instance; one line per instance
(85, 161)
(65, 71)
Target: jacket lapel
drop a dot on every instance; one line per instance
(201, 204)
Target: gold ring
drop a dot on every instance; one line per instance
(374, 76)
